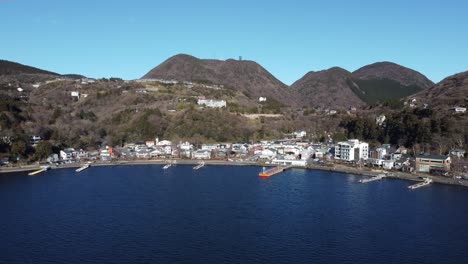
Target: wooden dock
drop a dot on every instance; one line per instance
(426, 181)
(199, 166)
(43, 168)
(371, 179)
(275, 170)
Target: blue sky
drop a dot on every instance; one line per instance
(289, 38)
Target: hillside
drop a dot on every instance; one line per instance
(452, 91)
(246, 76)
(327, 89)
(385, 80)
(13, 68)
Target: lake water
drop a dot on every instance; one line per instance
(226, 214)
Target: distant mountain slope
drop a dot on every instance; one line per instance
(373, 83)
(246, 76)
(13, 68)
(327, 89)
(386, 80)
(452, 91)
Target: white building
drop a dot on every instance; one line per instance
(262, 99)
(210, 147)
(380, 120)
(300, 134)
(185, 146)
(351, 150)
(201, 154)
(212, 103)
(288, 162)
(67, 154)
(75, 94)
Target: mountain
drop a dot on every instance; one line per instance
(450, 92)
(378, 82)
(245, 76)
(327, 89)
(13, 68)
(386, 80)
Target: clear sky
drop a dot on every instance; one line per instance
(289, 38)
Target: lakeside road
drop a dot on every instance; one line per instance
(336, 168)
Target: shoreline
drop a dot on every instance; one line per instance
(338, 168)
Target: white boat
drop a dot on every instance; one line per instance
(82, 168)
(167, 166)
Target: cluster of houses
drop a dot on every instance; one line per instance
(295, 151)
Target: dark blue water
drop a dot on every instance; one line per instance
(142, 214)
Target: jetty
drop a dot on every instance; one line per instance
(426, 181)
(82, 168)
(275, 170)
(199, 166)
(168, 165)
(43, 168)
(371, 179)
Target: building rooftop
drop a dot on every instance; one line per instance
(432, 156)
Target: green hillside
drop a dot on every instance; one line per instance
(380, 90)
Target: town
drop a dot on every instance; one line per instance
(293, 150)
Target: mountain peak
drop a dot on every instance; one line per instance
(393, 71)
(246, 76)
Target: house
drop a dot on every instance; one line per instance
(426, 163)
(351, 150)
(35, 140)
(53, 158)
(67, 154)
(157, 153)
(81, 154)
(380, 120)
(458, 110)
(163, 143)
(375, 162)
(201, 154)
(388, 164)
(106, 153)
(75, 94)
(320, 153)
(142, 154)
(150, 143)
(262, 99)
(268, 153)
(210, 147)
(460, 153)
(300, 134)
(378, 153)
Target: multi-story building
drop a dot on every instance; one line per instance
(351, 150)
(426, 163)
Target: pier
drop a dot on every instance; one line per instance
(82, 168)
(199, 166)
(426, 181)
(267, 173)
(371, 179)
(43, 168)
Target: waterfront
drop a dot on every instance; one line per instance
(226, 214)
